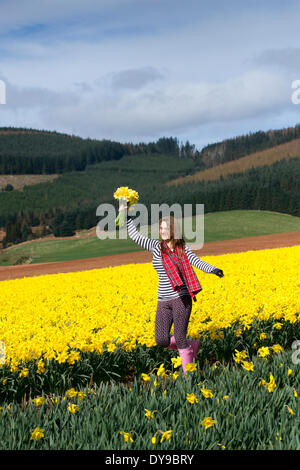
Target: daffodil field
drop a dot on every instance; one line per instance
(81, 370)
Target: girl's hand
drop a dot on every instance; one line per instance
(120, 220)
(122, 207)
(218, 272)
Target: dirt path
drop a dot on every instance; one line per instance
(237, 245)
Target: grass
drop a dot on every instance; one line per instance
(247, 223)
(217, 226)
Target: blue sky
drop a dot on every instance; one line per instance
(137, 70)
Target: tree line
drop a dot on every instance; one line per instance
(237, 147)
(30, 151)
(273, 187)
(40, 152)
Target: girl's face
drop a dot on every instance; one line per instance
(164, 231)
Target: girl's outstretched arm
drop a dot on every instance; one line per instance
(199, 263)
(145, 242)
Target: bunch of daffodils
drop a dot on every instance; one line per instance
(128, 197)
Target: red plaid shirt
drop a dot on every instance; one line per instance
(172, 262)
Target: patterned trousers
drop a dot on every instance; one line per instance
(178, 311)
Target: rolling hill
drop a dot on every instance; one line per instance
(260, 158)
(259, 171)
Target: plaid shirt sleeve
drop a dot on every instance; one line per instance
(197, 262)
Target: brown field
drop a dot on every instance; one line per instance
(19, 181)
(237, 245)
(265, 157)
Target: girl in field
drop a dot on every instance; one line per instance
(178, 285)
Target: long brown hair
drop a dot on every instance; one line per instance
(172, 223)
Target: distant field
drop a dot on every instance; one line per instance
(265, 157)
(217, 226)
(19, 181)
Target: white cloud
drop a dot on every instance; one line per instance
(19, 97)
(287, 58)
(135, 78)
(91, 72)
(169, 109)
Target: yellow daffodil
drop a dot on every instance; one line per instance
(263, 351)
(175, 375)
(71, 392)
(247, 365)
(176, 361)
(37, 434)
(149, 414)
(145, 377)
(240, 356)
(207, 393)
(39, 401)
(127, 437)
(53, 399)
(161, 371)
(277, 348)
(74, 357)
(73, 408)
(40, 367)
(24, 372)
(191, 397)
(262, 382)
(271, 385)
(166, 435)
(208, 422)
(190, 367)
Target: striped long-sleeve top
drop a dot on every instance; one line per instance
(165, 290)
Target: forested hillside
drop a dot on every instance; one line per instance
(29, 151)
(69, 202)
(237, 147)
(260, 158)
(41, 152)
